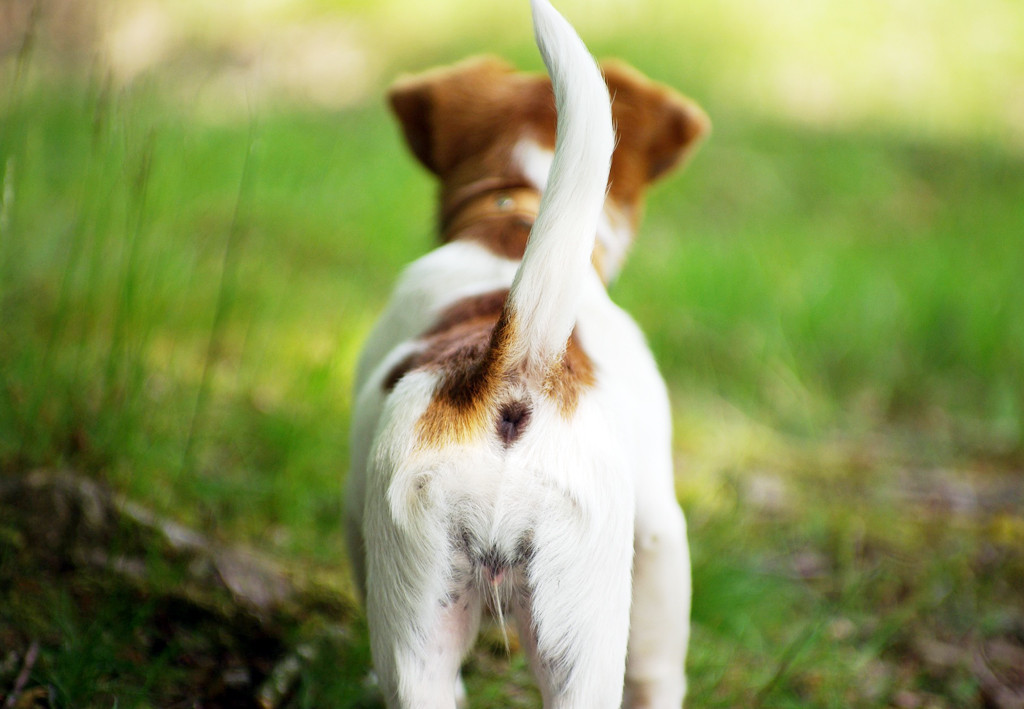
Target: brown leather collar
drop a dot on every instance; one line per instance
(495, 203)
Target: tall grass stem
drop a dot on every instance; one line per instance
(225, 298)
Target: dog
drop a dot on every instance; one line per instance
(511, 435)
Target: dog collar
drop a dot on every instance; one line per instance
(498, 203)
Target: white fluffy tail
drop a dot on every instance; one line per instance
(545, 296)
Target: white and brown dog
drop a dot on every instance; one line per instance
(511, 443)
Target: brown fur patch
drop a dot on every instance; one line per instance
(567, 381)
(467, 345)
(472, 371)
(461, 344)
(505, 237)
(486, 306)
(460, 337)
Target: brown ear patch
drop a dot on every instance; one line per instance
(657, 128)
(459, 112)
(411, 103)
(467, 346)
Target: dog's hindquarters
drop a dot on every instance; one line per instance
(545, 530)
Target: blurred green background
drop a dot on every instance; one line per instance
(204, 206)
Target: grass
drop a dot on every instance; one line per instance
(835, 303)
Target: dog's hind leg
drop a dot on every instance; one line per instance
(660, 616)
(418, 663)
(422, 604)
(573, 621)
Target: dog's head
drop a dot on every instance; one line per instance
(484, 129)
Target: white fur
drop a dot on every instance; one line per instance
(534, 161)
(546, 290)
(614, 228)
(593, 493)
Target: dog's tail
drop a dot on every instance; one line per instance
(542, 306)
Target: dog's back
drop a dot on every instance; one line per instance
(503, 429)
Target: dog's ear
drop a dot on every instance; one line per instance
(658, 127)
(410, 101)
(446, 113)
